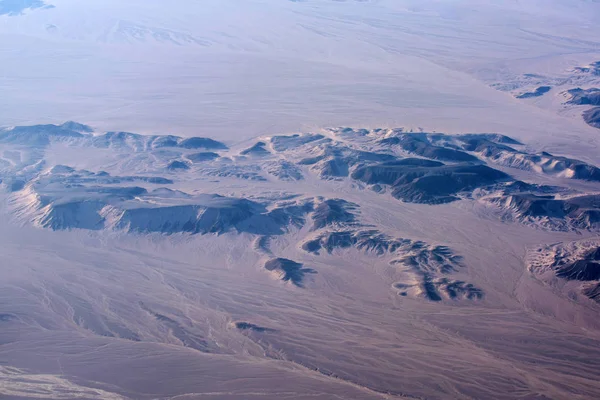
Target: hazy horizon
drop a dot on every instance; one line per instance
(299, 199)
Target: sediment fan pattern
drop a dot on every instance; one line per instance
(575, 88)
(286, 233)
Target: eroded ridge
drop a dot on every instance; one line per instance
(169, 185)
(573, 268)
(268, 250)
(163, 172)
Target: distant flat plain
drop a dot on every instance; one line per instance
(111, 314)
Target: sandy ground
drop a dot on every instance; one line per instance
(244, 69)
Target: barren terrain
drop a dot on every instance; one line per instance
(299, 200)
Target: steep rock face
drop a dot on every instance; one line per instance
(537, 206)
(75, 214)
(283, 170)
(482, 137)
(247, 326)
(486, 148)
(579, 212)
(202, 156)
(421, 181)
(178, 165)
(538, 92)
(201, 143)
(77, 127)
(334, 212)
(38, 135)
(575, 264)
(586, 268)
(69, 199)
(143, 143)
(338, 161)
(365, 240)
(245, 172)
(593, 292)
(546, 163)
(161, 142)
(289, 271)
(124, 140)
(257, 150)
(45, 204)
(437, 289)
(43, 135)
(351, 152)
(193, 218)
(592, 117)
(457, 289)
(419, 144)
(428, 266)
(584, 97)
